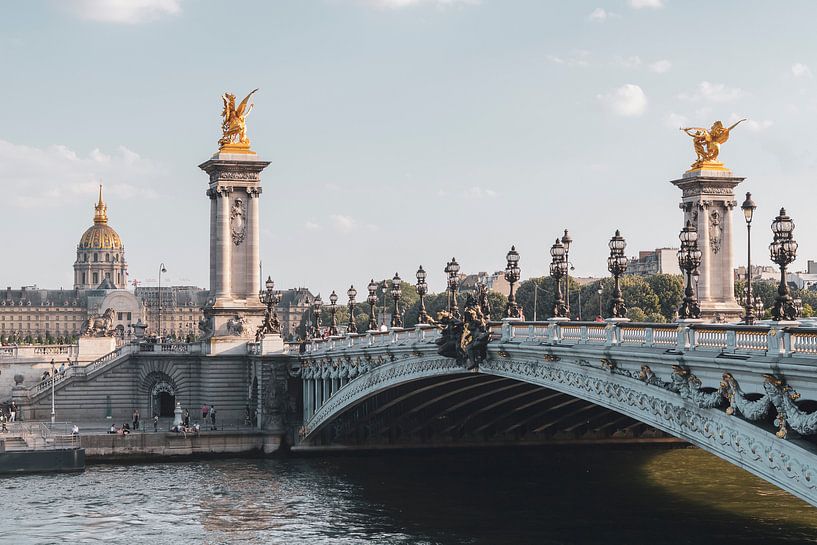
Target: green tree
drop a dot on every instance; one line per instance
(669, 288)
(636, 314)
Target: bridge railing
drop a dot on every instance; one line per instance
(765, 339)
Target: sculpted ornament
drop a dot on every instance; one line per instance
(234, 124)
(99, 325)
(715, 231)
(238, 221)
(707, 143)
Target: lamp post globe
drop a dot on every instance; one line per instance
(453, 269)
(372, 300)
(748, 207)
(689, 259)
(512, 273)
(351, 293)
(333, 309)
(617, 265)
(396, 292)
(558, 270)
(422, 289)
(783, 251)
(316, 316)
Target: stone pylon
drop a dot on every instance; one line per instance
(707, 201)
(234, 312)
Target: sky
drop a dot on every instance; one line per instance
(400, 132)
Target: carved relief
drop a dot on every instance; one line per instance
(238, 221)
(715, 230)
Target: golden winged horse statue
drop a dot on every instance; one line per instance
(234, 126)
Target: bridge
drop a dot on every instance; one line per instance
(744, 393)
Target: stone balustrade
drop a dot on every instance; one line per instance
(39, 352)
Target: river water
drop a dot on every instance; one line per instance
(541, 496)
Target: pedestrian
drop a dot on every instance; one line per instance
(62, 369)
(75, 430)
(13, 411)
(155, 423)
(213, 417)
(135, 419)
(186, 418)
(205, 410)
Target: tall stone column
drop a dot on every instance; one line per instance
(234, 311)
(707, 200)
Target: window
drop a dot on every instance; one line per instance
(85, 258)
(96, 258)
(107, 258)
(83, 274)
(119, 315)
(96, 277)
(129, 316)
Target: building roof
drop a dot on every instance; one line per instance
(38, 297)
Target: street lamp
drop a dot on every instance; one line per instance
(396, 319)
(372, 300)
(512, 273)
(617, 265)
(453, 269)
(783, 250)
(269, 299)
(566, 242)
(316, 316)
(422, 289)
(333, 308)
(748, 208)
(689, 259)
(558, 270)
(601, 313)
(159, 327)
(53, 380)
(352, 326)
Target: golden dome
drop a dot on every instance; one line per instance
(100, 236)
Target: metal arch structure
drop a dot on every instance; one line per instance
(716, 386)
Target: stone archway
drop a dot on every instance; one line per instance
(162, 399)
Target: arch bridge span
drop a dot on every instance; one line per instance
(747, 394)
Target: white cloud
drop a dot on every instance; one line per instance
(800, 70)
(312, 226)
(51, 176)
(651, 4)
(344, 224)
(578, 58)
(128, 12)
(660, 67)
(400, 4)
(713, 92)
(751, 124)
(600, 15)
(628, 62)
(628, 100)
(481, 193)
(676, 121)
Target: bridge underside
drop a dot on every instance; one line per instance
(469, 408)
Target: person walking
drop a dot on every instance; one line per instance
(155, 423)
(13, 412)
(186, 420)
(135, 419)
(213, 417)
(205, 410)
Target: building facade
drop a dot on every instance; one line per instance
(100, 254)
(658, 261)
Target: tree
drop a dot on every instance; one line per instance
(636, 314)
(669, 288)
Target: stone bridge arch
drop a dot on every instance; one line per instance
(679, 407)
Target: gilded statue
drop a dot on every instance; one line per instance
(707, 143)
(234, 126)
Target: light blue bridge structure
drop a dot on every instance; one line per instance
(747, 394)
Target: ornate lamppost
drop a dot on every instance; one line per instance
(396, 319)
(566, 242)
(748, 208)
(269, 299)
(159, 326)
(453, 270)
(783, 251)
(422, 289)
(558, 270)
(351, 327)
(689, 259)
(372, 300)
(512, 273)
(316, 316)
(333, 309)
(617, 265)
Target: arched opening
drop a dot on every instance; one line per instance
(162, 400)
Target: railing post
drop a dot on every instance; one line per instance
(649, 336)
(506, 331)
(682, 337)
(731, 340)
(583, 337)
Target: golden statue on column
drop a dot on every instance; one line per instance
(707, 145)
(234, 126)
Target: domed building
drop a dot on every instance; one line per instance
(100, 254)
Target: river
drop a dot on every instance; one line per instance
(538, 496)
